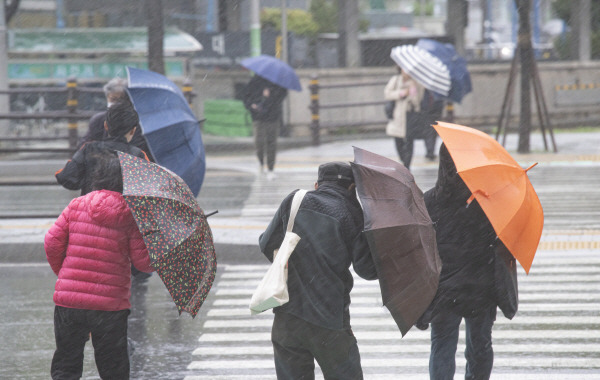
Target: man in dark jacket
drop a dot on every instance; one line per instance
(467, 245)
(315, 323)
(263, 98)
(121, 123)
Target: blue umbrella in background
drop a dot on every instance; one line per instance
(459, 75)
(274, 70)
(169, 125)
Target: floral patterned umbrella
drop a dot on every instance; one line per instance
(174, 228)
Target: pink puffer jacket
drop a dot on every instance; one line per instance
(91, 247)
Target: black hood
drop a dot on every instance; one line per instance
(449, 187)
(464, 237)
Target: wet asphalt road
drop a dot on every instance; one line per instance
(164, 341)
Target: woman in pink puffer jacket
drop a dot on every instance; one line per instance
(91, 248)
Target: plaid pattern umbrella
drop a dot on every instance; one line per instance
(423, 67)
(174, 228)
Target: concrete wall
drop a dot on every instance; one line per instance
(571, 91)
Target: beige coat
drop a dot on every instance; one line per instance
(407, 94)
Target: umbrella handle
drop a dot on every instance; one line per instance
(472, 197)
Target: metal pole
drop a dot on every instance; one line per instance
(60, 21)
(284, 31)
(285, 132)
(72, 109)
(4, 99)
(314, 109)
(255, 48)
(188, 91)
(210, 16)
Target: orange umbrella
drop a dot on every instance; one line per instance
(501, 187)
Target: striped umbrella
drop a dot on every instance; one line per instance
(423, 67)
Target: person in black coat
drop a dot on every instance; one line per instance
(263, 99)
(315, 323)
(121, 123)
(467, 244)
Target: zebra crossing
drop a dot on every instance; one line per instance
(555, 334)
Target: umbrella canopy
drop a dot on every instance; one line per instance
(174, 229)
(501, 187)
(423, 67)
(460, 79)
(169, 125)
(400, 234)
(273, 70)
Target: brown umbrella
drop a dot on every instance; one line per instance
(400, 234)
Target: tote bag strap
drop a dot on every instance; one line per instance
(295, 206)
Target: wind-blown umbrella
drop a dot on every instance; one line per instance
(423, 67)
(169, 125)
(459, 74)
(174, 228)
(501, 187)
(273, 70)
(400, 234)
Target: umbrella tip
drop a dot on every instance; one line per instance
(211, 213)
(531, 167)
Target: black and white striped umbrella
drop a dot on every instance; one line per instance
(423, 67)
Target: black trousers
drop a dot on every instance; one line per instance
(72, 328)
(404, 147)
(297, 344)
(265, 140)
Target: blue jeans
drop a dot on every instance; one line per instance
(478, 352)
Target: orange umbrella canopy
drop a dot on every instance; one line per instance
(501, 187)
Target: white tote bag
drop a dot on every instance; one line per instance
(272, 290)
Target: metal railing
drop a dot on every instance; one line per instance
(315, 107)
(72, 114)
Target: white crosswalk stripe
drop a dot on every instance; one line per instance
(555, 333)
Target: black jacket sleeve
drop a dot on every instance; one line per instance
(362, 260)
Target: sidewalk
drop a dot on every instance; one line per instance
(236, 236)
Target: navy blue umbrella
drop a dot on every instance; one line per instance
(274, 70)
(459, 75)
(169, 125)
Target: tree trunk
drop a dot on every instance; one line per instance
(526, 53)
(155, 36)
